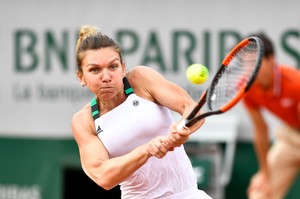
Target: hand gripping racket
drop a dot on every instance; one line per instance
(231, 82)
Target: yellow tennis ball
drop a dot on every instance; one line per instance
(197, 73)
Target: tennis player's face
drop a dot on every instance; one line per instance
(103, 73)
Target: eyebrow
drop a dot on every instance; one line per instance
(92, 64)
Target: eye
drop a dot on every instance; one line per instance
(94, 70)
(113, 66)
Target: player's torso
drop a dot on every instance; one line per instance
(131, 124)
(136, 122)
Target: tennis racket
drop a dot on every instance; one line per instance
(233, 79)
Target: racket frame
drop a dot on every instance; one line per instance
(192, 118)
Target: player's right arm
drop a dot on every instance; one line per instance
(105, 171)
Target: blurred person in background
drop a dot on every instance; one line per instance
(277, 90)
(126, 134)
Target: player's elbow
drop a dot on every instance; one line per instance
(104, 183)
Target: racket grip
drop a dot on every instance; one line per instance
(181, 125)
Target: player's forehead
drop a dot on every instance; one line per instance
(101, 56)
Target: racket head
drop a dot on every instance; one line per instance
(236, 75)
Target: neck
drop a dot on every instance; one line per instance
(107, 105)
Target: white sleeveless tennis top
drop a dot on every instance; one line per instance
(135, 122)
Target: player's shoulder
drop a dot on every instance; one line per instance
(144, 81)
(142, 70)
(82, 121)
(83, 124)
(83, 114)
(142, 74)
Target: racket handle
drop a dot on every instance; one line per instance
(181, 125)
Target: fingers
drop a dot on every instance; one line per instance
(157, 147)
(167, 143)
(259, 184)
(177, 137)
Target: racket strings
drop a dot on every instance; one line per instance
(234, 78)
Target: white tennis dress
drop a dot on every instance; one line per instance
(133, 123)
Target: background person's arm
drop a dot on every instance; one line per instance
(261, 144)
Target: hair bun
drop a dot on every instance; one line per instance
(87, 30)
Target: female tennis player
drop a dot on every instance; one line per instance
(126, 135)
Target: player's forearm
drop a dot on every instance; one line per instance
(113, 171)
(108, 173)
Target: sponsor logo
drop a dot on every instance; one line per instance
(135, 103)
(99, 130)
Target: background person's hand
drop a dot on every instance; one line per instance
(260, 187)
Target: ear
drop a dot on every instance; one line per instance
(80, 78)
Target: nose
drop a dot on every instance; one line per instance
(106, 76)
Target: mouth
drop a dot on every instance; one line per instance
(106, 89)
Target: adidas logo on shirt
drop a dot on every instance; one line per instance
(99, 130)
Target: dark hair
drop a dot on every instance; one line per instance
(90, 38)
(268, 45)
